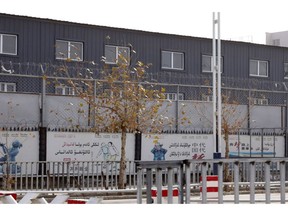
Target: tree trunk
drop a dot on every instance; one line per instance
(122, 172)
(227, 176)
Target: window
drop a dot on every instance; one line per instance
(8, 44)
(115, 94)
(68, 50)
(114, 54)
(258, 68)
(276, 42)
(260, 101)
(207, 64)
(207, 98)
(7, 87)
(65, 90)
(172, 60)
(286, 70)
(173, 96)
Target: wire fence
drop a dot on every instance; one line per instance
(42, 93)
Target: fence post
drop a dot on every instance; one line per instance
(159, 185)
(138, 144)
(180, 183)
(149, 186)
(236, 181)
(187, 181)
(252, 182)
(139, 185)
(267, 182)
(282, 181)
(170, 185)
(204, 181)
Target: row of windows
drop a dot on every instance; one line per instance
(169, 60)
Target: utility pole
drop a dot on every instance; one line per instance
(217, 100)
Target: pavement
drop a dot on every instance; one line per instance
(227, 199)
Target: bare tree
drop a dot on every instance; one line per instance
(122, 101)
(233, 117)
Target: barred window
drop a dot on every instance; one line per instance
(260, 101)
(65, 90)
(7, 87)
(174, 96)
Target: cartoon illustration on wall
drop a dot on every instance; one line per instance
(109, 151)
(159, 152)
(10, 154)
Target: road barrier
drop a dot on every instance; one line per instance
(212, 186)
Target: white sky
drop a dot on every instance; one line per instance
(245, 20)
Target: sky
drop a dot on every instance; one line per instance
(240, 20)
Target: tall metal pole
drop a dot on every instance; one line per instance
(217, 99)
(214, 83)
(219, 87)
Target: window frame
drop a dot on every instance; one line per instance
(117, 54)
(5, 86)
(206, 97)
(172, 60)
(211, 64)
(1, 44)
(174, 96)
(64, 89)
(260, 101)
(69, 45)
(285, 69)
(258, 68)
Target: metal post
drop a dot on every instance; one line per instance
(170, 186)
(149, 186)
(159, 185)
(180, 185)
(219, 102)
(214, 84)
(139, 185)
(43, 99)
(204, 182)
(282, 181)
(267, 182)
(177, 110)
(262, 142)
(188, 180)
(252, 182)
(220, 182)
(236, 182)
(217, 98)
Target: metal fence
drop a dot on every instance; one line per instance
(36, 86)
(246, 177)
(92, 175)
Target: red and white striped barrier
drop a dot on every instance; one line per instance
(8, 198)
(212, 186)
(175, 192)
(92, 200)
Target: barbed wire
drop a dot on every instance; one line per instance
(194, 89)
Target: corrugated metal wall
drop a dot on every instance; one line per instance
(36, 43)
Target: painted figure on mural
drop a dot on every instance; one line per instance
(10, 154)
(109, 151)
(159, 152)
